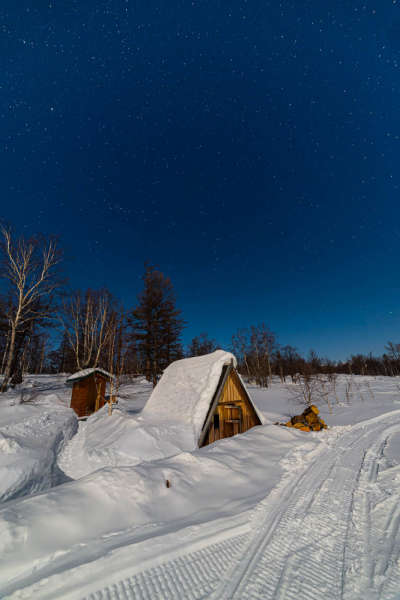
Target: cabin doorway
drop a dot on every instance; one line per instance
(231, 415)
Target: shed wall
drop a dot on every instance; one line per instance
(233, 414)
(84, 395)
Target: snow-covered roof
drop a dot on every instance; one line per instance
(187, 387)
(86, 372)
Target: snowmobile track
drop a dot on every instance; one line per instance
(193, 576)
(304, 556)
(297, 545)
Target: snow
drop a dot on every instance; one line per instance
(270, 513)
(129, 437)
(122, 439)
(86, 372)
(276, 405)
(186, 389)
(87, 519)
(31, 437)
(133, 435)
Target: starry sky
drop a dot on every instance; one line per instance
(250, 148)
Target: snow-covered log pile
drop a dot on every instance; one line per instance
(307, 421)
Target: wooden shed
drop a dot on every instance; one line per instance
(231, 411)
(207, 394)
(88, 390)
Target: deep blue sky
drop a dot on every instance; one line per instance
(250, 148)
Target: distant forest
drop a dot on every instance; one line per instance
(48, 327)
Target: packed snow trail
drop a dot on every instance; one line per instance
(301, 544)
(29, 448)
(302, 554)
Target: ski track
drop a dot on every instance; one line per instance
(318, 536)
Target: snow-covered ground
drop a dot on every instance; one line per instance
(127, 438)
(368, 397)
(133, 437)
(32, 436)
(211, 493)
(272, 513)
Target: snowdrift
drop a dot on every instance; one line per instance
(122, 439)
(83, 520)
(31, 437)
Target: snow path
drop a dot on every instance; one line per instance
(29, 447)
(309, 538)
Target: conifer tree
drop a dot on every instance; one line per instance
(157, 323)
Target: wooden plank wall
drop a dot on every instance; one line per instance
(79, 398)
(84, 395)
(232, 393)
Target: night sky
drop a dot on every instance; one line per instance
(250, 148)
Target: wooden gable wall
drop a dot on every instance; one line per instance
(84, 394)
(234, 414)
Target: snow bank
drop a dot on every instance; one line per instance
(47, 537)
(186, 389)
(122, 439)
(31, 437)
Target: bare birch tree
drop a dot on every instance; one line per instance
(326, 387)
(240, 348)
(118, 349)
(32, 271)
(306, 391)
(86, 320)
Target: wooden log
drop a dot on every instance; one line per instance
(289, 424)
(298, 425)
(304, 428)
(312, 419)
(316, 427)
(311, 409)
(299, 419)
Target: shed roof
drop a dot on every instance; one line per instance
(187, 388)
(87, 373)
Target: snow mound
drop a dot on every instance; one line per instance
(122, 439)
(186, 388)
(53, 399)
(29, 446)
(8, 445)
(81, 521)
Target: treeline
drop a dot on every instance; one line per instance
(261, 358)
(47, 327)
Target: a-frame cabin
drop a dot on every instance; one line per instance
(207, 394)
(231, 411)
